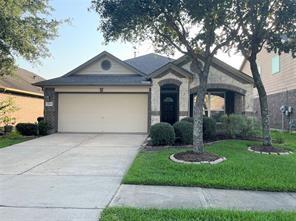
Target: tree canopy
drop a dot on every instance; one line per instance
(268, 24)
(25, 29)
(263, 25)
(195, 28)
(188, 26)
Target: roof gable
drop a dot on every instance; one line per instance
(170, 67)
(221, 66)
(94, 67)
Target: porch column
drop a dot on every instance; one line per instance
(184, 99)
(239, 103)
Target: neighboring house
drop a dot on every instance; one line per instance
(28, 98)
(106, 94)
(278, 74)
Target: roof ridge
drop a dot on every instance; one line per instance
(152, 53)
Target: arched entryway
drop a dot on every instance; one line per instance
(220, 99)
(169, 103)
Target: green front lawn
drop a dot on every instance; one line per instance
(241, 170)
(6, 141)
(129, 214)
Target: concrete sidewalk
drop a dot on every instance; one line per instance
(195, 197)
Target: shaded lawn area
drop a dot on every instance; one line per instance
(241, 170)
(129, 214)
(8, 141)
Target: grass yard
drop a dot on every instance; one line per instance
(129, 214)
(241, 170)
(8, 141)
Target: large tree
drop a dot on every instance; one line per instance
(192, 27)
(264, 25)
(25, 29)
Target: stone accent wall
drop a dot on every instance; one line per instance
(217, 77)
(183, 97)
(275, 101)
(51, 112)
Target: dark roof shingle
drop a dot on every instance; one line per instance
(93, 80)
(22, 80)
(149, 63)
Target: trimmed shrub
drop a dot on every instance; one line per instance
(209, 128)
(188, 119)
(184, 131)
(42, 128)
(26, 129)
(239, 126)
(39, 119)
(162, 134)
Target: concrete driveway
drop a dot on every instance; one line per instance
(63, 177)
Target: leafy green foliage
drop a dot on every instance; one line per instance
(268, 25)
(184, 131)
(42, 128)
(162, 134)
(27, 129)
(7, 107)
(242, 169)
(209, 128)
(26, 28)
(239, 126)
(188, 119)
(134, 214)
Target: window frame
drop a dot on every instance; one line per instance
(278, 68)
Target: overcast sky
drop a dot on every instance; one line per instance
(79, 41)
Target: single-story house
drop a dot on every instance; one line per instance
(27, 97)
(106, 94)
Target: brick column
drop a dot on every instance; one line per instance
(51, 109)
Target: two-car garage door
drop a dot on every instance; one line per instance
(115, 113)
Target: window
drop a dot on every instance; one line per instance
(106, 65)
(275, 64)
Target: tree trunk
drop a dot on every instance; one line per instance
(198, 145)
(267, 141)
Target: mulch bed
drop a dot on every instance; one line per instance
(191, 156)
(268, 149)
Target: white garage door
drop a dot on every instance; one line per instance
(123, 113)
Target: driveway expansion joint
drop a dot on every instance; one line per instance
(56, 156)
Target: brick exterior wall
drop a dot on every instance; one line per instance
(51, 112)
(29, 107)
(275, 101)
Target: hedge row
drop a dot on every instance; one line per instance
(233, 126)
(30, 129)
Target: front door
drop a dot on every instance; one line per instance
(169, 103)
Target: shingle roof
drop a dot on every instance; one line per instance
(149, 63)
(143, 65)
(22, 80)
(93, 80)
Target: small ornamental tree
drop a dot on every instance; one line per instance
(264, 25)
(193, 27)
(7, 107)
(25, 28)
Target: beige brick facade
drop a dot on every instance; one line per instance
(29, 108)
